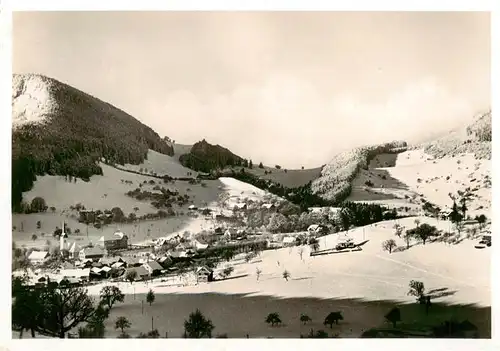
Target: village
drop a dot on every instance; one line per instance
(115, 258)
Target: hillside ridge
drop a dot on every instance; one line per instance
(472, 138)
(60, 130)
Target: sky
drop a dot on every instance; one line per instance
(282, 88)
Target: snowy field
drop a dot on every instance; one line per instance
(363, 285)
(400, 180)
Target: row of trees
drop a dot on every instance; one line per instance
(351, 214)
(332, 318)
(421, 232)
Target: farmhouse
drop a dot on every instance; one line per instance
(131, 261)
(192, 207)
(231, 234)
(142, 273)
(240, 206)
(38, 257)
(289, 241)
(79, 274)
(267, 206)
(109, 261)
(117, 241)
(204, 275)
(164, 261)
(94, 253)
(317, 229)
(103, 272)
(153, 267)
(118, 264)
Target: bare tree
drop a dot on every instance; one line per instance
(417, 289)
(304, 318)
(389, 245)
(301, 251)
(398, 229)
(258, 272)
(286, 275)
(408, 236)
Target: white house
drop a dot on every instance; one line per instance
(74, 251)
(204, 274)
(192, 207)
(38, 257)
(289, 241)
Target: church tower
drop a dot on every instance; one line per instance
(62, 239)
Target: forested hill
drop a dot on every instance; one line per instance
(206, 157)
(60, 130)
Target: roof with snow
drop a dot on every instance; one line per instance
(117, 264)
(109, 260)
(203, 268)
(38, 255)
(153, 265)
(130, 260)
(288, 240)
(141, 271)
(75, 248)
(75, 273)
(93, 251)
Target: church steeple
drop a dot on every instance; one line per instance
(62, 239)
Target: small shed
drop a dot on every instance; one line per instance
(204, 274)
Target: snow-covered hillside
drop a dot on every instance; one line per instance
(32, 100)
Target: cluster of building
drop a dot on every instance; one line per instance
(83, 264)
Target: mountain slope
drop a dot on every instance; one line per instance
(458, 162)
(334, 184)
(58, 129)
(474, 138)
